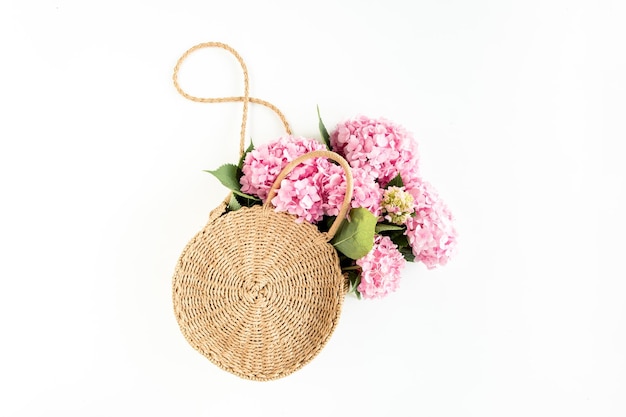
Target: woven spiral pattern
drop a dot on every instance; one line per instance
(257, 293)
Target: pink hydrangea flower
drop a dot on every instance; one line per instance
(380, 269)
(301, 197)
(411, 176)
(334, 189)
(379, 146)
(431, 231)
(366, 191)
(263, 164)
(320, 190)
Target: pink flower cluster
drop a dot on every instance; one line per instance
(384, 150)
(378, 146)
(263, 164)
(366, 191)
(381, 269)
(377, 151)
(431, 232)
(312, 190)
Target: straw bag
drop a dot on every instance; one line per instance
(257, 293)
(254, 291)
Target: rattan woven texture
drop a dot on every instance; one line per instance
(257, 293)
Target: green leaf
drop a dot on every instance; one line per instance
(384, 227)
(247, 196)
(250, 149)
(407, 253)
(404, 246)
(246, 201)
(396, 182)
(233, 204)
(400, 239)
(323, 130)
(355, 236)
(354, 278)
(227, 174)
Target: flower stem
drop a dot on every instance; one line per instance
(351, 268)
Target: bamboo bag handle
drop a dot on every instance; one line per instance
(345, 206)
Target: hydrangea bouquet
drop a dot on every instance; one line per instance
(395, 215)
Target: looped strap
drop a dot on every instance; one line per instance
(246, 99)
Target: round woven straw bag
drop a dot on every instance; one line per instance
(256, 292)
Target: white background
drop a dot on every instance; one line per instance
(518, 107)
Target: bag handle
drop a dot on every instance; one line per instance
(345, 206)
(246, 99)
